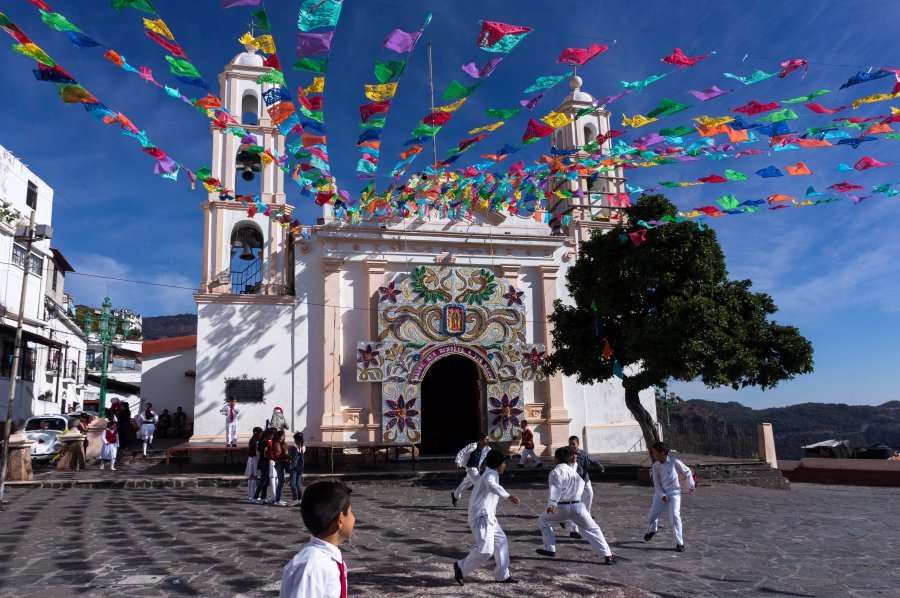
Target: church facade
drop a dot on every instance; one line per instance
(424, 332)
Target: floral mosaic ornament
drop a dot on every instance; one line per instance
(401, 417)
(513, 297)
(429, 285)
(480, 286)
(532, 364)
(401, 414)
(506, 412)
(390, 292)
(369, 362)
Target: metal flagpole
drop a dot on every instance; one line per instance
(431, 85)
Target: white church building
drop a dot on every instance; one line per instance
(422, 332)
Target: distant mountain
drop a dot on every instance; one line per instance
(157, 327)
(698, 421)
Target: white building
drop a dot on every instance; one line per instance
(50, 377)
(167, 375)
(423, 331)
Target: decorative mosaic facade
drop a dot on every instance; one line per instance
(443, 310)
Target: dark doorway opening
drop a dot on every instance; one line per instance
(450, 398)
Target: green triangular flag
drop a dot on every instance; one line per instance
(385, 71)
(666, 107)
(424, 130)
(677, 131)
(458, 90)
(502, 114)
(734, 175)
(312, 65)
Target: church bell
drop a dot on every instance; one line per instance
(247, 253)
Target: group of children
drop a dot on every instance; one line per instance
(318, 570)
(110, 438)
(270, 463)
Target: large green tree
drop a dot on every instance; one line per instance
(668, 311)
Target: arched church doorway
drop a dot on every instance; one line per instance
(450, 399)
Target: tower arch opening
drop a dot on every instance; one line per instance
(246, 258)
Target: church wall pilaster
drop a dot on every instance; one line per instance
(557, 416)
(331, 347)
(375, 270)
(207, 227)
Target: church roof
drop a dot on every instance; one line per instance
(168, 345)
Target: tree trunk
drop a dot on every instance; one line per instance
(648, 427)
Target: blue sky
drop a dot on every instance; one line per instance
(833, 269)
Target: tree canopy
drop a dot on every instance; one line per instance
(667, 310)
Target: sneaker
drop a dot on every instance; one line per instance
(575, 535)
(258, 501)
(454, 499)
(293, 503)
(102, 466)
(520, 465)
(112, 468)
(610, 560)
(280, 503)
(679, 548)
(509, 579)
(648, 536)
(563, 524)
(458, 574)
(540, 464)
(545, 552)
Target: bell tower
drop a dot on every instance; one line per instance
(242, 254)
(588, 206)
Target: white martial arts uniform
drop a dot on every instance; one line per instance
(317, 571)
(231, 420)
(147, 425)
(582, 462)
(489, 537)
(566, 488)
(666, 483)
(472, 475)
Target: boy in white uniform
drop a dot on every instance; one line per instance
(489, 537)
(470, 457)
(318, 571)
(146, 420)
(664, 473)
(231, 413)
(582, 463)
(566, 488)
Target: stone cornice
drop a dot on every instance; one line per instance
(361, 236)
(229, 299)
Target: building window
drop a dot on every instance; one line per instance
(6, 356)
(31, 196)
(36, 264)
(26, 369)
(55, 275)
(18, 255)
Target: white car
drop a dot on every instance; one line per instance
(44, 431)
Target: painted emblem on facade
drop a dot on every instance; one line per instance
(440, 310)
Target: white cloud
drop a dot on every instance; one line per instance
(169, 293)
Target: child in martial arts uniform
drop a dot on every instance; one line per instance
(527, 441)
(147, 422)
(252, 469)
(566, 488)
(665, 472)
(231, 413)
(110, 439)
(470, 457)
(489, 537)
(583, 461)
(318, 571)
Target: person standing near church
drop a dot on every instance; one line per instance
(470, 457)
(231, 413)
(583, 462)
(490, 540)
(564, 504)
(527, 441)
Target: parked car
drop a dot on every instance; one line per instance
(44, 431)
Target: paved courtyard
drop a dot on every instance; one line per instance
(741, 541)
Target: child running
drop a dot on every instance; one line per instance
(566, 488)
(110, 439)
(489, 537)
(318, 571)
(471, 456)
(665, 472)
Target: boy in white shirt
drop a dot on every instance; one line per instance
(665, 472)
(318, 571)
(564, 504)
(471, 457)
(231, 413)
(489, 537)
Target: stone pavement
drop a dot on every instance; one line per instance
(741, 541)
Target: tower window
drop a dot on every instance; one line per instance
(249, 110)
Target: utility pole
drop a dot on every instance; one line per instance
(17, 350)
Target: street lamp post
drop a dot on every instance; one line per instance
(668, 401)
(108, 324)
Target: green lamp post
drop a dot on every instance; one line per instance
(105, 334)
(667, 401)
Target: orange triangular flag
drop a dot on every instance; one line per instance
(798, 170)
(607, 350)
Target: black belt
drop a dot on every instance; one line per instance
(569, 502)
